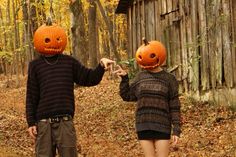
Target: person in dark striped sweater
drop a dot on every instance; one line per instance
(50, 102)
(158, 105)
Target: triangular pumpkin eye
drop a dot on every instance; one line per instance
(152, 55)
(47, 40)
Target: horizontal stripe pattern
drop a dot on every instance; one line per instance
(158, 106)
(50, 88)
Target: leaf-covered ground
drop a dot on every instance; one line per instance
(105, 125)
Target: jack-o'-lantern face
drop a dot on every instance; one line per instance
(151, 54)
(50, 39)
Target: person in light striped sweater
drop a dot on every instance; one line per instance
(158, 105)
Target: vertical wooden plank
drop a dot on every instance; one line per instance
(169, 6)
(139, 38)
(233, 20)
(130, 42)
(211, 41)
(172, 50)
(155, 2)
(134, 29)
(227, 52)
(175, 4)
(150, 17)
(190, 44)
(203, 45)
(172, 40)
(143, 34)
(187, 44)
(162, 21)
(177, 42)
(178, 54)
(163, 8)
(194, 50)
(147, 27)
(158, 28)
(218, 43)
(183, 41)
(172, 35)
(167, 45)
(166, 32)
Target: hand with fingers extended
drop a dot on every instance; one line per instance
(120, 71)
(106, 63)
(33, 131)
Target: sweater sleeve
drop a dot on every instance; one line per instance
(32, 96)
(174, 104)
(85, 76)
(127, 92)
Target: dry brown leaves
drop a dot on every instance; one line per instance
(105, 125)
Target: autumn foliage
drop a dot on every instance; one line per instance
(105, 125)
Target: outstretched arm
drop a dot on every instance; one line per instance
(90, 77)
(127, 92)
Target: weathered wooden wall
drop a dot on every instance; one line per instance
(200, 36)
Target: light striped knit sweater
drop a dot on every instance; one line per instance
(158, 106)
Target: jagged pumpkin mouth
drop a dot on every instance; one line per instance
(148, 66)
(53, 49)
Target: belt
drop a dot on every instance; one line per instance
(57, 119)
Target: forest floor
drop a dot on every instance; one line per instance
(105, 124)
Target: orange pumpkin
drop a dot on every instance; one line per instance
(50, 39)
(151, 54)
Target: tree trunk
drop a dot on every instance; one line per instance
(26, 33)
(109, 27)
(2, 70)
(79, 43)
(4, 41)
(9, 42)
(92, 34)
(16, 45)
(34, 15)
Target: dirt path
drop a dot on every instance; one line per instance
(105, 125)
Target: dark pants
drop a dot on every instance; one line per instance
(52, 136)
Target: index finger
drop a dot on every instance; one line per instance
(32, 134)
(175, 140)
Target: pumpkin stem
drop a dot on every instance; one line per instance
(145, 41)
(49, 21)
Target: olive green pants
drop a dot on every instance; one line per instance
(59, 136)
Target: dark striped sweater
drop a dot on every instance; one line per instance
(158, 106)
(50, 85)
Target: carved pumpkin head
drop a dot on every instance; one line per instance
(151, 54)
(50, 39)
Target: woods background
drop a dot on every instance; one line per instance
(200, 39)
(199, 36)
(92, 27)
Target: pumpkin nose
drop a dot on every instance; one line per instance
(59, 40)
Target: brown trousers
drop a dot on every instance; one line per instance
(56, 136)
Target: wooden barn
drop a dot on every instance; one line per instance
(200, 36)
